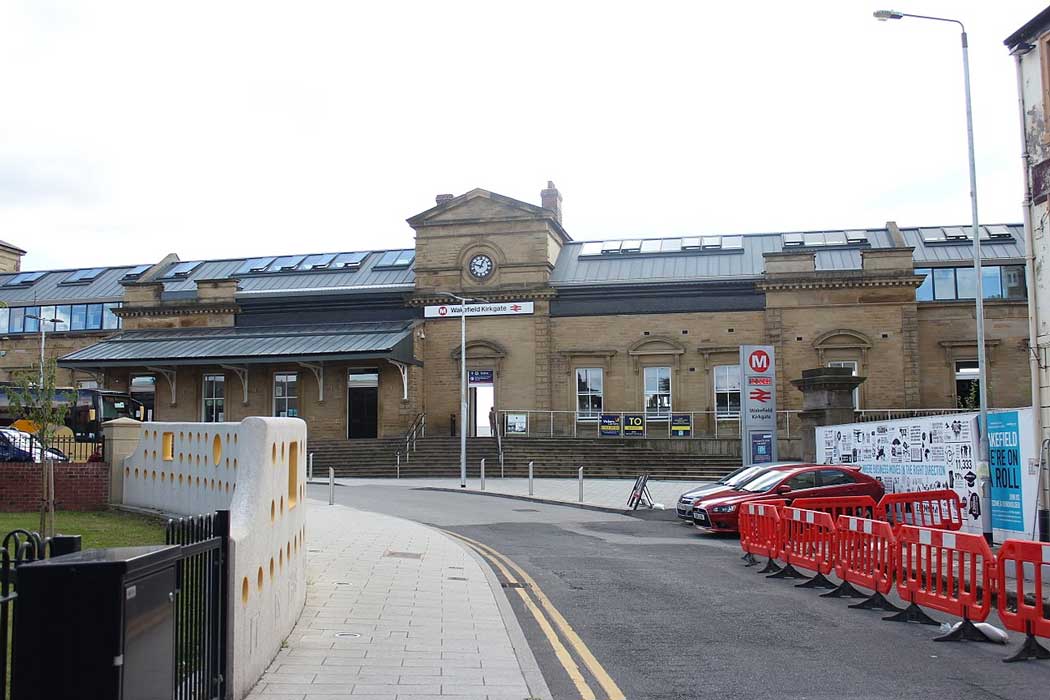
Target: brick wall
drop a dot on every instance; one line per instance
(78, 486)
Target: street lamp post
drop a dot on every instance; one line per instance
(463, 401)
(982, 384)
(43, 332)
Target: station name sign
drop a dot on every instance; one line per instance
(510, 308)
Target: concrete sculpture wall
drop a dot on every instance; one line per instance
(256, 469)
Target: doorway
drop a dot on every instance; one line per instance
(362, 403)
(482, 400)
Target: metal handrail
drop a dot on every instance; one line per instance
(416, 430)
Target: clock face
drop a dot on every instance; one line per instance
(480, 266)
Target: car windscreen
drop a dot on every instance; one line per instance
(765, 482)
(744, 476)
(115, 407)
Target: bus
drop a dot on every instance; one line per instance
(88, 409)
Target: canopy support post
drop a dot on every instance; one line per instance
(318, 370)
(403, 369)
(170, 375)
(242, 374)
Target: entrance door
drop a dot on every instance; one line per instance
(362, 403)
(482, 397)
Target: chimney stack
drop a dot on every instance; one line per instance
(442, 198)
(550, 198)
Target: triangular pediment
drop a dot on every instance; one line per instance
(479, 204)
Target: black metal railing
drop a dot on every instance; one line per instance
(201, 615)
(20, 547)
(18, 446)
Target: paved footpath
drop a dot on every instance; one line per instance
(399, 611)
(602, 493)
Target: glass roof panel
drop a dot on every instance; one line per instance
(25, 278)
(651, 246)
(670, 245)
(285, 262)
(711, 242)
(591, 248)
(732, 242)
(349, 259)
(835, 238)
(813, 239)
(253, 265)
(316, 262)
(691, 243)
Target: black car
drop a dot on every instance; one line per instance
(16, 446)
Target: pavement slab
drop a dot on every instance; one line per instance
(398, 610)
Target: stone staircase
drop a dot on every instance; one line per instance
(552, 457)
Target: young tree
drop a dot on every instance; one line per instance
(33, 398)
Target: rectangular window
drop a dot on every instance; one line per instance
(727, 392)
(62, 313)
(5, 318)
(925, 290)
(78, 317)
(17, 318)
(850, 364)
(46, 314)
(1013, 282)
(214, 398)
(110, 321)
(94, 317)
(589, 386)
(967, 385)
(657, 393)
(285, 395)
(966, 283)
(32, 319)
(991, 283)
(944, 283)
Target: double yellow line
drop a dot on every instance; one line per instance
(516, 576)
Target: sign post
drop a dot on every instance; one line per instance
(758, 404)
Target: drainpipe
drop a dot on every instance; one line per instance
(1033, 309)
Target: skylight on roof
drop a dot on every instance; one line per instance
(835, 238)
(633, 245)
(24, 279)
(732, 242)
(999, 231)
(611, 247)
(591, 248)
(284, 263)
(135, 272)
(792, 240)
(712, 242)
(397, 258)
(856, 236)
(691, 243)
(181, 270)
(317, 262)
(651, 245)
(253, 265)
(670, 245)
(349, 260)
(83, 275)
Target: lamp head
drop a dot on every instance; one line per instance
(883, 15)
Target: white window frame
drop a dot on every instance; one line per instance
(730, 372)
(219, 400)
(588, 416)
(969, 374)
(286, 396)
(657, 415)
(855, 366)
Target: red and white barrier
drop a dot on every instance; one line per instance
(807, 540)
(1029, 616)
(940, 510)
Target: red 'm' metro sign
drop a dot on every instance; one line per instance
(758, 360)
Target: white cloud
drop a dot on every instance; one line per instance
(135, 129)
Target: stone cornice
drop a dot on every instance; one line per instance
(837, 280)
(489, 295)
(194, 309)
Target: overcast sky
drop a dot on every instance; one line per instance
(222, 129)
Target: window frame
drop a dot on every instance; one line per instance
(958, 376)
(284, 399)
(658, 416)
(719, 413)
(213, 400)
(589, 416)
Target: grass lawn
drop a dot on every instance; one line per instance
(103, 528)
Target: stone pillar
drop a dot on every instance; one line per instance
(122, 437)
(827, 399)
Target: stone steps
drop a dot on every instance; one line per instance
(552, 457)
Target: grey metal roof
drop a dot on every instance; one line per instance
(365, 278)
(50, 290)
(574, 269)
(248, 345)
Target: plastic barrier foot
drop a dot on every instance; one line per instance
(1031, 649)
(913, 613)
(788, 572)
(818, 581)
(770, 566)
(844, 590)
(966, 631)
(750, 559)
(877, 601)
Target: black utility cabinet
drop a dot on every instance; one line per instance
(97, 624)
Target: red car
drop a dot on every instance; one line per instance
(720, 514)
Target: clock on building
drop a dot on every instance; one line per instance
(481, 266)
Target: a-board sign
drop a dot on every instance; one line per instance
(681, 425)
(634, 425)
(610, 425)
(640, 493)
(517, 423)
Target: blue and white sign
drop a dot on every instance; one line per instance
(1004, 464)
(480, 377)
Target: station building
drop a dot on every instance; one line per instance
(650, 325)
